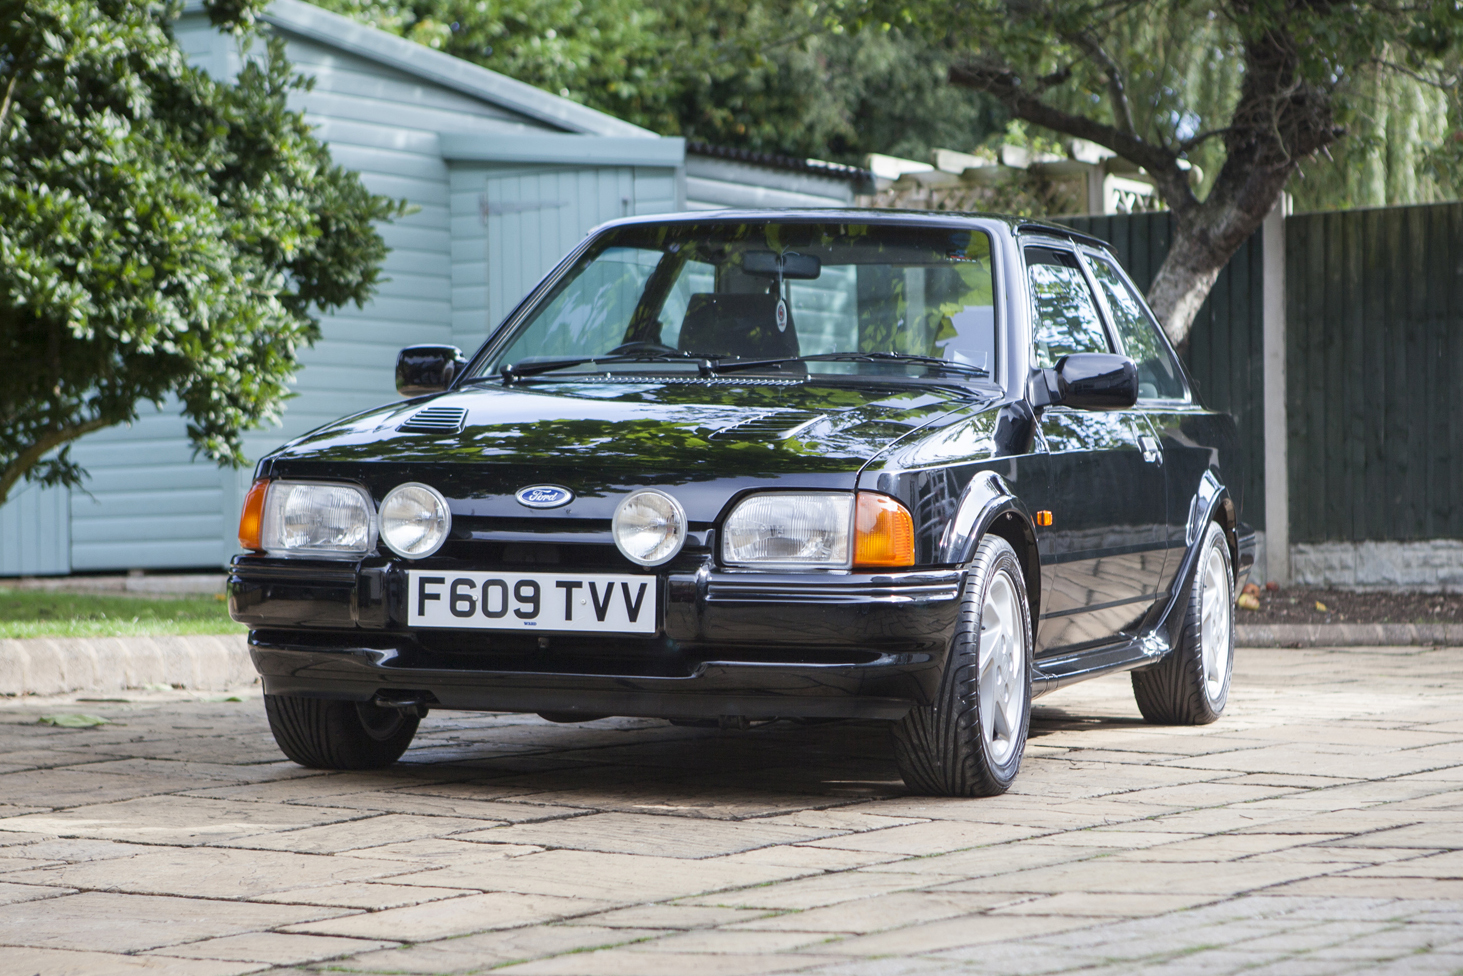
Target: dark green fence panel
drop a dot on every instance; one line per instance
(1225, 354)
(1374, 324)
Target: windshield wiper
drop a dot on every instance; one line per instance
(724, 366)
(970, 368)
(509, 373)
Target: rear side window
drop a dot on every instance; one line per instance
(1066, 312)
(1158, 375)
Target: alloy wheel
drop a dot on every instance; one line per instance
(1214, 642)
(1000, 681)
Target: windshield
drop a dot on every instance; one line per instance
(829, 298)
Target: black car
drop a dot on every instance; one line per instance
(737, 466)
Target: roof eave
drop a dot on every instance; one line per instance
(333, 30)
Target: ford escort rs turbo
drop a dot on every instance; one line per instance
(737, 466)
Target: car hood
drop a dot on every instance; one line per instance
(600, 438)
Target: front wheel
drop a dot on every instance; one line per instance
(1191, 685)
(325, 734)
(969, 742)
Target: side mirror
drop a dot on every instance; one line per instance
(427, 369)
(1088, 381)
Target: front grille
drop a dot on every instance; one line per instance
(435, 420)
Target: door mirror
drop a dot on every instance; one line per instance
(1097, 381)
(1088, 381)
(427, 369)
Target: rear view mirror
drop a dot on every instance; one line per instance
(427, 369)
(1088, 381)
(788, 265)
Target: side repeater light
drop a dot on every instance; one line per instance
(883, 532)
(251, 520)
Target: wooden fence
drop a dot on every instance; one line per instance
(1374, 348)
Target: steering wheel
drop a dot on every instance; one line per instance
(645, 346)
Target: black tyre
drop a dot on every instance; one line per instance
(969, 742)
(1191, 685)
(324, 734)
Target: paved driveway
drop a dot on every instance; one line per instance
(1315, 829)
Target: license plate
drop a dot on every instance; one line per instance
(532, 601)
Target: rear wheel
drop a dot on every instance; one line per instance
(325, 734)
(969, 742)
(1191, 685)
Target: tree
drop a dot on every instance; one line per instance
(767, 75)
(161, 234)
(1251, 89)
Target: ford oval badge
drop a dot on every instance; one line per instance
(544, 496)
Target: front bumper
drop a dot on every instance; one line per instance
(758, 645)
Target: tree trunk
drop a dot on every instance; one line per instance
(1181, 285)
(1207, 236)
(1278, 119)
(32, 455)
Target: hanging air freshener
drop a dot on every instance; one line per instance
(781, 302)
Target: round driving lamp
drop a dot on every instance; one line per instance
(414, 520)
(649, 527)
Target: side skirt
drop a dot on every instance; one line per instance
(1052, 673)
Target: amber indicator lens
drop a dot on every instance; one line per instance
(1043, 518)
(883, 532)
(251, 520)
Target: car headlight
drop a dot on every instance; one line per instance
(415, 520)
(649, 527)
(789, 529)
(316, 519)
(813, 529)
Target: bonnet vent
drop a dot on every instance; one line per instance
(435, 420)
(775, 426)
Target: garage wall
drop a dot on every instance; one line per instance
(35, 529)
(513, 223)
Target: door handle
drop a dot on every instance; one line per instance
(1152, 452)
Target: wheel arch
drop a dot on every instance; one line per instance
(1210, 503)
(988, 506)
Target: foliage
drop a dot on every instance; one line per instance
(1249, 89)
(767, 75)
(1402, 146)
(161, 235)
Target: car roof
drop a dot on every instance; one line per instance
(936, 218)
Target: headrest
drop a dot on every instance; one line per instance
(742, 325)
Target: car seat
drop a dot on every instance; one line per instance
(736, 325)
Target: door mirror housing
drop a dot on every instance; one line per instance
(1088, 381)
(427, 369)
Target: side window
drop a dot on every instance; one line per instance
(1158, 375)
(1066, 314)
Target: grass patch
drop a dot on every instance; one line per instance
(36, 613)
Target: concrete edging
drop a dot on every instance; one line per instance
(61, 665)
(214, 662)
(1347, 635)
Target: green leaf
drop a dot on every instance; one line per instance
(77, 721)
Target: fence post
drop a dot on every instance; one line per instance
(1277, 472)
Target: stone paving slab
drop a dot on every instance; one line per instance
(1317, 828)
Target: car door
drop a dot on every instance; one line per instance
(1165, 402)
(1103, 550)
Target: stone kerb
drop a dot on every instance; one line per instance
(60, 665)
